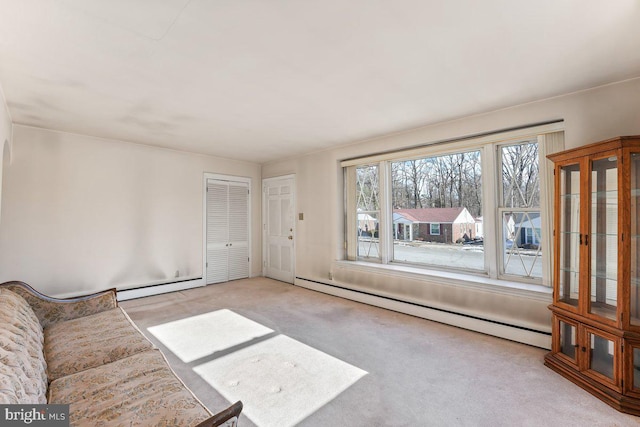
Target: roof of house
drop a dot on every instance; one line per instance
(435, 215)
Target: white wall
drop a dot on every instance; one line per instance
(5, 140)
(82, 214)
(589, 116)
(5, 122)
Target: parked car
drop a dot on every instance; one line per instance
(476, 241)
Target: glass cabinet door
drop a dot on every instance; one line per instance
(568, 340)
(603, 238)
(635, 239)
(635, 365)
(602, 351)
(569, 225)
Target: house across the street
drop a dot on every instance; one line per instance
(443, 225)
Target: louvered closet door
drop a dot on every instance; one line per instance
(217, 231)
(238, 230)
(227, 230)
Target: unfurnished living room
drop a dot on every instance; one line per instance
(311, 213)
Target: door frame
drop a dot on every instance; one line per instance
(221, 177)
(264, 221)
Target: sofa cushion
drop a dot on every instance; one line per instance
(75, 345)
(23, 376)
(140, 390)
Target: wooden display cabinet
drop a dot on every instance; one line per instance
(596, 282)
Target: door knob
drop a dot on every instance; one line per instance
(290, 237)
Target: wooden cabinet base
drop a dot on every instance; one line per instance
(622, 403)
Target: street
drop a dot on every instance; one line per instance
(464, 257)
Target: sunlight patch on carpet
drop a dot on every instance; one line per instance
(202, 335)
(280, 380)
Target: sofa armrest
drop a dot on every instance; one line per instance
(227, 417)
(50, 310)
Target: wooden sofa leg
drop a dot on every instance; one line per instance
(222, 417)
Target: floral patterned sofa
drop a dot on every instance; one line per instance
(87, 353)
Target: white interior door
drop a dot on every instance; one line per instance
(227, 231)
(279, 228)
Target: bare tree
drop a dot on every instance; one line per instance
(452, 180)
(520, 175)
(367, 188)
(408, 183)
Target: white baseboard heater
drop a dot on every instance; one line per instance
(501, 330)
(160, 287)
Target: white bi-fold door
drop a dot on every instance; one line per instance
(227, 231)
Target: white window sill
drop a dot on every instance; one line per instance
(469, 281)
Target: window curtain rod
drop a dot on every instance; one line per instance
(532, 129)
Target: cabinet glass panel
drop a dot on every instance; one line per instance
(636, 367)
(603, 238)
(569, 234)
(568, 340)
(601, 355)
(635, 238)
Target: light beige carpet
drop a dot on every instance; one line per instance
(419, 373)
(281, 381)
(195, 337)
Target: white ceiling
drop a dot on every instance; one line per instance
(259, 80)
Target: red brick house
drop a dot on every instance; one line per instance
(443, 225)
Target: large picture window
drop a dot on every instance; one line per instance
(439, 199)
(474, 207)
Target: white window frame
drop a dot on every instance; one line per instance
(550, 138)
(529, 236)
(431, 229)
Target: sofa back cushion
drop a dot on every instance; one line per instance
(23, 370)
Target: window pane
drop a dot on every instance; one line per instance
(522, 243)
(521, 240)
(368, 211)
(437, 211)
(520, 176)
